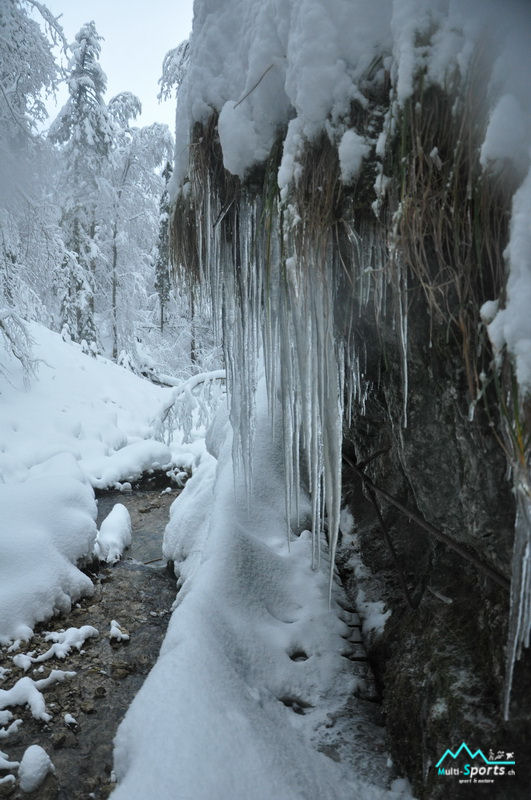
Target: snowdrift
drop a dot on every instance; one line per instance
(251, 671)
(81, 422)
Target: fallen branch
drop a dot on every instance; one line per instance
(465, 554)
(401, 576)
(188, 385)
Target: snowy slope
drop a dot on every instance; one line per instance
(88, 407)
(251, 671)
(81, 422)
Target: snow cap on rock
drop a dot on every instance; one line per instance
(34, 767)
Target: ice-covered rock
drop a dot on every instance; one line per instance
(114, 535)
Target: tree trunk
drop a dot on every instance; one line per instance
(114, 294)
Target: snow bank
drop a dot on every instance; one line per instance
(260, 63)
(46, 526)
(251, 666)
(128, 463)
(87, 407)
(512, 325)
(114, 535)
(296, 67)
(81, 422)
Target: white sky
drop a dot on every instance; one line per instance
(137, 34)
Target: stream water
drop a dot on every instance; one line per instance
(139, 596)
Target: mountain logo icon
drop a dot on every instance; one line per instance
(478, 754)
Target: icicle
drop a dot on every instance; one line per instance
(288, 400)
(520, 611)
(297, 465)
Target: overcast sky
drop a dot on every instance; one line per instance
(137, 34)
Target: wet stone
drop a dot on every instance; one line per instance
(138, 596)
(7, 789)
(58, 740)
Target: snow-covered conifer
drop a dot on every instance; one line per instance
(84, 129)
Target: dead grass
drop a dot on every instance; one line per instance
(452, 221)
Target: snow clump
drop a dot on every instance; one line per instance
(117, 633)
(114, 535)
(64, 641)
(34, 767)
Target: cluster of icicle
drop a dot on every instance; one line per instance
(272, 299)
(276, 300)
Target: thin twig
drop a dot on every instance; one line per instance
(260, 79)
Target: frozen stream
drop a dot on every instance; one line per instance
(139, 597)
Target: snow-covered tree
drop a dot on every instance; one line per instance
(28, 72)
(84, 129)
(133, 188)
(28, 240)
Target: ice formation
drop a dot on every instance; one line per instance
(296, 70)
(29, 692)
(5, 763)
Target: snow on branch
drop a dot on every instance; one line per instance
(52, 23)
(17, 339)
(178, 410)
(174, 68)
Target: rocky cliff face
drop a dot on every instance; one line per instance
(440, 662)
(425, 464)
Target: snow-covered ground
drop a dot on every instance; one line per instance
(79, 422)
(252, 677)
(247, 697)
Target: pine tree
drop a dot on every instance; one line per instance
(84, 128)
(162, 259)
